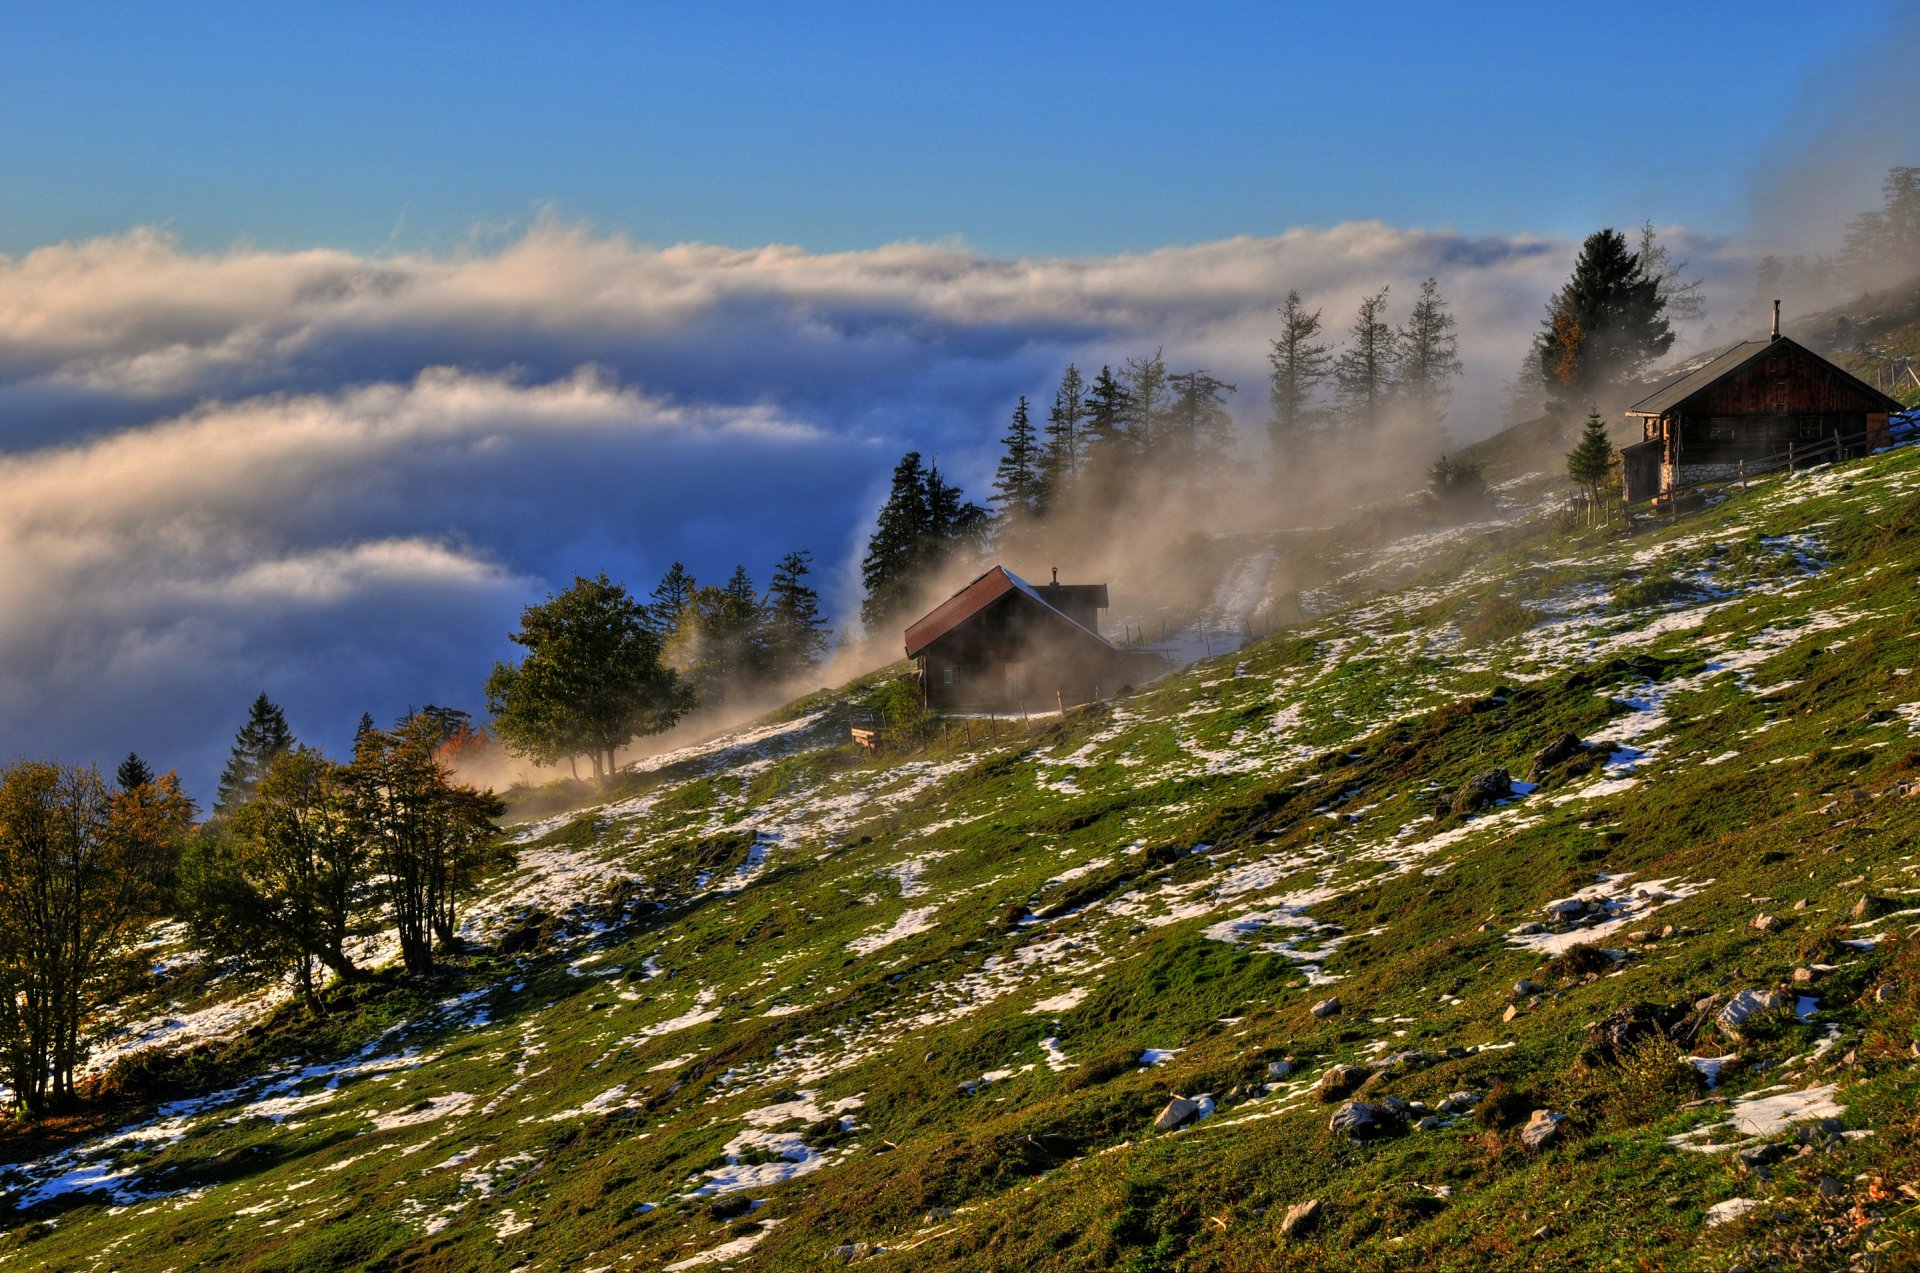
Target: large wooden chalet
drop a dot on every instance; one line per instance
(1748, 409)
(1003, 644)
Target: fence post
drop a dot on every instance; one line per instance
(1791, 470)
(1743, 475)
(1060, 700)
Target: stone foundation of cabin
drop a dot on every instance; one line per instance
(1686, 474)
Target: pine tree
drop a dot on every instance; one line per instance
(671, 597)
(1364, 370)
(1064, 422)
(264, 736)
(797, 631)
(1019, 488)
(365, 726)
(895, 550)
(1146, 385)
(1301, 365)
(1591, 462)
(1110, 408)
(132, 774)
(1604, 327)
(1199, 431)
(1429, 355)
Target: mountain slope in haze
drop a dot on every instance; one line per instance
(784, 1002)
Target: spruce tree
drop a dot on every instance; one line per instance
(132, 774)
(797, 631)
(1110, 409)
(264, 736)
(1146, 384)
(671, 597)
(895, 550)
(1301, 364)
(1364, 370)
(1604, 327)
(1018, 483)
(1064, 424)
(365, 726)
(1591, 462)
(1429, 355)
(1680, 294)
(1199, 432)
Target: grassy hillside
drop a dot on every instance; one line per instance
(784, 1002)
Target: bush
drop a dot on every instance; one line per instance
(1502, 1107)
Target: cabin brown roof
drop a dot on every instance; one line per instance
(1672, 395)
(983, 592)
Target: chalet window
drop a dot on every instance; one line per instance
(947, 675)
(1722, 431)
(1779, 397)
(1016, 624)
(1811, 429)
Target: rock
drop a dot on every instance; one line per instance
(1832, 1190)
(1484, 790)
(849, 1252)
(936, 1215)
(1622, 1029)
(1326, 1007)
(1338, 1080)
(1571, 908)
(1800, 905)
(1667, 931)
(1431, 1123)
(1543, 1130)
(1746, 1004)
(1486, 926)
(1763, 922)
(1300, 1218)
(1394, 1108)
(1179, 1111)
(1760, 1155)
(1240, 1092)
(1804, 975)
(1886, 992)
(1523, 988)
(1277, 1070)
(1459, 1102)
(1530, 929)
(1869, 907)
(1558, 752)
(1510, 1013)
(1357, 1119)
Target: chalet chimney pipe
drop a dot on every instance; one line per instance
(1776, 320)
(1056, 576)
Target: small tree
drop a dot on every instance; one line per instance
(592, 680)
(796, 630)
(133, 773)
(1364, 370)
(1301, 364)
(1590, 463)
(1429, 355)
(1061, 462)
(1019, 483)
(430, 837)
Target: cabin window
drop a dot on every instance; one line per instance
(948, 675)
(1779, 397)
(1812, 429)
(1016, 624)
(1721, 431)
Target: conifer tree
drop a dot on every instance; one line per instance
(364, 727)
(671, 598)
(1199, 432)
(1301, 364)
(896, 549)
(1019, 487)
(1681, 295)
(1364, 370)
(1590, 463)
(1064, 424)
(1429, 355)
(264, 736)
(797, 631)
(1146, 385)
(133, 773)
(1603, 327)
(1110, 409)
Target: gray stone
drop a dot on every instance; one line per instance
(1460, 1102)
(1569, 908)
(1357, 1119)
(1886, 992)
(1543, 1130)
(1431, 1123)
(1279, 1069)
(1832, 1190)
(1483, 790)
(1179, 1110)
(1523, 988)
(1300, 1218)
(1557, 752)
(1338, 1080)
(1327, 1007)
(1747, 1004)
(1804, 975)
(1763, 922)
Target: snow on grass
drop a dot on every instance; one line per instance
(913, 921)
(614, 1098)
(1621, 906)
(1732, 1209)
(1065, 1001)
(726, 1251)
(428, 1110)
(1759, 1114)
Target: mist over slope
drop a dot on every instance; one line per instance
(782, 1000)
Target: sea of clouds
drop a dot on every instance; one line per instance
(337, 478)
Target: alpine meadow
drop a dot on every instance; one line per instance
(991, 638)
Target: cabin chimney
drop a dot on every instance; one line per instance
(1056, 576)
(1776, 320)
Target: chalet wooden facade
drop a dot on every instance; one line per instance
(1753, 405)
(1003, 644)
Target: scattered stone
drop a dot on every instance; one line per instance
(937, 1215)
(1240, 1092)
(1558, 752)
(1832, 1190)
(1543, 1130)
(1357, 1119)
(1667, 932)
(1623, 1028)
(1804, 975)
(1277, 1070)
(1484, 790)
(1523, 988)
(1459, 1102)
(1179, 1111)
(1543, 1231)
(1800, 905)
(1760, 1155)
(1300, 1218)
(1763, 923)
(1571, 908)
(1486, 926)
(1510, 1013)
(1886, 992)
(849, 1252)
(1431, 1123)
(1327, 1007)
(1530, 929)
(1338, 1080)
(1746, 1004)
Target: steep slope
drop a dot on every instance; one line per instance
(784, 1001)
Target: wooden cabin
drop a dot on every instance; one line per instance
(1747, 411)
(1003, 644)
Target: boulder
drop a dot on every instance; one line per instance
(1357, 1119)
(1570, 908)
(1511, 1012)
(1431, 1123)
(1886, 992)
(1277, 1070)
(1556, 753)
(1524, 988)
(1543, 1130)
(1459, 1102)
(1483, 791)
(1338, 1080)
(1300, 1218)
(1178, 1112)
(1764, 923)
(1327, 1007)
(1623, 1028)
(1745, 1005)
(1804, 975)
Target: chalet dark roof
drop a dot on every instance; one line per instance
(977, 596)
(1670, 396)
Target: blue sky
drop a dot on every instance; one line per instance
(1021, 129)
